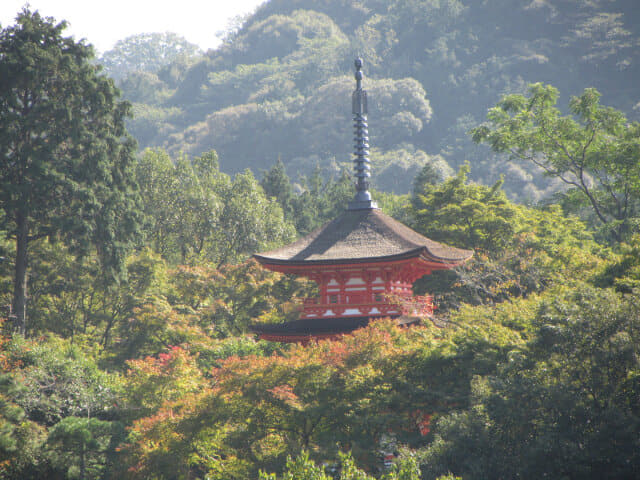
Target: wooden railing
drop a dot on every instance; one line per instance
(365, 302)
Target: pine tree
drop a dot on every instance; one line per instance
(276, 183)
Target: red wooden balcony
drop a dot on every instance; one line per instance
(365, 302)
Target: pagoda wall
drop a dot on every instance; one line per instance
(365, 290)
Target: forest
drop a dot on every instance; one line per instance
(434, 68)
(135, 187)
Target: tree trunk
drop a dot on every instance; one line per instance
(83, 467)
(19, 305)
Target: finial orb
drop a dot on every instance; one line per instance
(358, 75)
(358, 63)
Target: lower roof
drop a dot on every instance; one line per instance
(322, 326)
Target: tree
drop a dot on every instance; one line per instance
(53, 397)
(465, 215)
(249, 221)
(595, 154)
(182, 200)
(58, 379)
(277, 184)
(11, 417)
(321, 201)
(624, 273)
(323, 398)
(147, 52)
(143, 87)
(78, 446)
(394, 170)
(152, 381)
(197, 213)
(65, 156)
(518, 250)
(303, 468)
(564, 405)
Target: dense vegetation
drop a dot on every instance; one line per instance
(132, 358)
(276, 88)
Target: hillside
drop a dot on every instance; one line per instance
(129, 302)
(279, 86)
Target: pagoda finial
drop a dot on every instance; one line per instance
(362, 198)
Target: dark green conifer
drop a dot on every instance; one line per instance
(65, 157)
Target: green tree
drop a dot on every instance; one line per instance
(48, 383)
(143, 87)
(518, 250)
(11, 416)
(596, 153)
(227, 300)
(78, 446)
(195, 212)
(249, 221)
(565, 405)
(147, 52)
(155, 173)
(66, 158)
(69, 297)
(182, 200)
(624, 273)
(277, 184)
(198, 204)
(462, 214)
(303, 468)
(321, 200)
(299, 468)
(57, 379)
(394, 170)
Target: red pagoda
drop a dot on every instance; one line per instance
(364, 261)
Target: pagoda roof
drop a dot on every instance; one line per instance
(313, 326)
(363, 235)
(310, 327)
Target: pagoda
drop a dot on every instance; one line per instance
(364, 261)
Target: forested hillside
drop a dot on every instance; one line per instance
(276, 88)
(126, 278)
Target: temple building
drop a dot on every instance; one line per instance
(364, 261)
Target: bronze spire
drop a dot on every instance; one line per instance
(362, 198)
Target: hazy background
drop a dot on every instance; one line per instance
(104, 23)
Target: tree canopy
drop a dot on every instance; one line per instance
(596, 153)
(147, 52)
(197, 213)
(67, 160)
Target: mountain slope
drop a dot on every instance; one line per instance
(280, 86)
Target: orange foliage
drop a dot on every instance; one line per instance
(422, 421)
(349, 391)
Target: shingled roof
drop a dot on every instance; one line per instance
(316, 326)
(365, 235)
